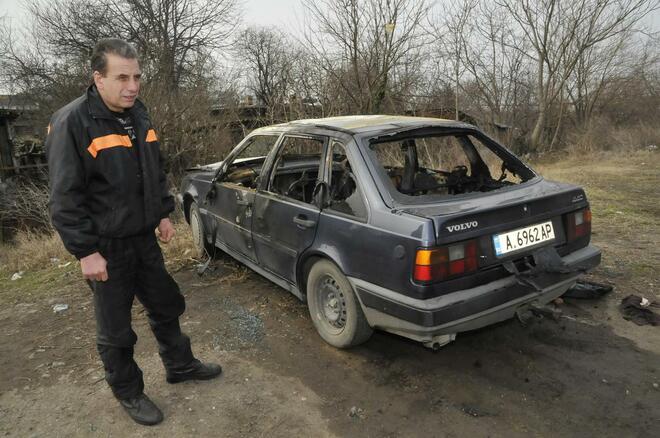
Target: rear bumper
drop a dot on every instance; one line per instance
(469, 309)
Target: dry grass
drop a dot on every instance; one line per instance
(624, 192)
(33, 251)
(46, 265)
(179, 252)
(602, 135)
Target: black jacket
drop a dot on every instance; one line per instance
(99, 186)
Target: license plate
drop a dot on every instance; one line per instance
(523, 238)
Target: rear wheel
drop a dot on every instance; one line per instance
(334, 307)
(201, 245)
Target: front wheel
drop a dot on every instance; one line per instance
(334, 307)
(201, 245)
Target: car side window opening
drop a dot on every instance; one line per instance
(344, 191)
(246, 166)
(296, 169)
(444, 165)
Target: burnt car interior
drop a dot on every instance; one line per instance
(244, 169)
(296, 173)
(295, 177)
(449, 164)
(244, 172)
(296, 170)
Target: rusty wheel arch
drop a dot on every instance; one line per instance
(305, 263)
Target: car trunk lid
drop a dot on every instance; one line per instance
(487, 213)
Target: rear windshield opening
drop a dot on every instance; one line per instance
(447, 165)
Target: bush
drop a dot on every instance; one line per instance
(601, 135)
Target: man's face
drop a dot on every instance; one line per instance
(120, 85)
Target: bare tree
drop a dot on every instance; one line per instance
(453, 30)
(600, 68)
(178, 40)
(363, 44)
(171, 34)
(27, 69)
(559, 32)
(269, 58)
(497, 70)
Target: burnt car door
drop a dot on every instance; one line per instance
(343, 224)
(235, 188)
(285, 213)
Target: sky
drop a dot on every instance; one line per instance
(283, 14)
(280, 13)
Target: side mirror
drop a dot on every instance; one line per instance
(320, 195)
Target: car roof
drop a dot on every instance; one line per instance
(359, 124)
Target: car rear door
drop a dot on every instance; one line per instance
(285, 215)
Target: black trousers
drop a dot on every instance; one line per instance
(136, 269)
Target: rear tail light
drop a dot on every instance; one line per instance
(445, 262)
(579, 224)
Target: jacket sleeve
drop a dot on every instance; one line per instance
(167, 199)
(66, 176)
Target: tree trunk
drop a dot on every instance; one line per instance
(456, 91)
(539, 128)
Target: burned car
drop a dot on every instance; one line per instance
(417, 226)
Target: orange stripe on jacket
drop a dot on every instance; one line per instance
(108, 141)
(151, 135)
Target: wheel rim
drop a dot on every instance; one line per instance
(196, 233)
(332, 301)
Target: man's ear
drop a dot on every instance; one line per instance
(98, 80)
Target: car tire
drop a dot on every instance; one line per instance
(200, 244)
(334, 307)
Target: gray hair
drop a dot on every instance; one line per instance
(99, 61)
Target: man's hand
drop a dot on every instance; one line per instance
(94, 267)
(165, 230)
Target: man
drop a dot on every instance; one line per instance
(108, 193)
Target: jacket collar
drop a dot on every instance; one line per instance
(98, 109)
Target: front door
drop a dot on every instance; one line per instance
(231, 207)
(285, 216)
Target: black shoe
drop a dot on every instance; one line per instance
(196, 371)
(142, 410)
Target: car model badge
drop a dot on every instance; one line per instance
(461, 227)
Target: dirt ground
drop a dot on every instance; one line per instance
(591, 373)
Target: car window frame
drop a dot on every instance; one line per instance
(393, 198)
(352, 158)
(272, 159)
(245, 143)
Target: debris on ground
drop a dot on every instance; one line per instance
(587, 290)
(64, 265)
(545, 311)
(473, 411)
(244, 330)
(59, 308)
(202, 267)
(638, 310)
(17, 275)
(356, 412)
